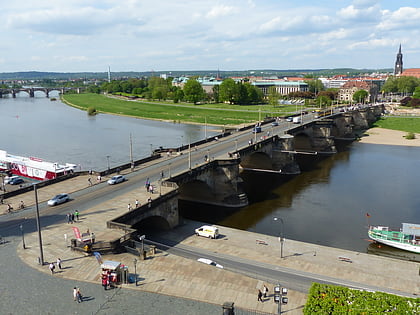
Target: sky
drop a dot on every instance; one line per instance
(169, 35)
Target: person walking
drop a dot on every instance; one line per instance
(76, 214)
(265, 290)
(129, 207)
(90, 181)
(52, 267)
(260, 296)
(74, 294)
(68, 218)
(59, 263)
(79, 296)
(72, 217)
(137, 203)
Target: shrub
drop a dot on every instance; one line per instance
(410, 136)
(91, 111)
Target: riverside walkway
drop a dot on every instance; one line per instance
(171, 275)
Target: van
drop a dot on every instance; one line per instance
(296, 120)
(207, 231)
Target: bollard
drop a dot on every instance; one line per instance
(228, 308)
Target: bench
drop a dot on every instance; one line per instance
(345, 259)
(259, 242)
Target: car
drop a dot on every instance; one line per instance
(289, 119)
(209, 262)
(275, 123)
(16, 181)
(7, 179)
(58, 199)
(256, 129)
(116, 179)
(207, 231)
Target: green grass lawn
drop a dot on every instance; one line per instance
(408, 124)
(216, 114)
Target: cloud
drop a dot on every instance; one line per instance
(220, 10)
(403, 18)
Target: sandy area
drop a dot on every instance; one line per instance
(389, 137)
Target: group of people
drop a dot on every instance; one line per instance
(72, 217)
(52, 266)
(262, 293)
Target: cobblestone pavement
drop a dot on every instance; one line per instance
(24, 290)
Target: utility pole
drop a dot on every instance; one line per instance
(38, 225)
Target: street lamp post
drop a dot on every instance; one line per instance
(23, 236)
(107, 157)
(135, 270)
(281, 235)
(280, 297)
(38, 224)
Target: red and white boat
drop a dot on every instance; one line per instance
(32, 167)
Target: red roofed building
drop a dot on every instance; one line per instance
(350, 87)
(415, 72)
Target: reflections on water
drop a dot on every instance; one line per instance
(328, 204)
(54, 131)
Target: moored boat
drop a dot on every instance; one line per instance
(407, 238)
(32, 167)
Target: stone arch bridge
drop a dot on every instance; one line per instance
(31, 90)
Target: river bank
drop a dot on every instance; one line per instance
(388, 137)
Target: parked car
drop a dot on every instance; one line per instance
(209, 262)
(16, 181)
(207, 231)
(116, 179)
(58, 199)
(7, 179)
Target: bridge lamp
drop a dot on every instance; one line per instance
(135, 270)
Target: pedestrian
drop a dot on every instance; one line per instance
(162, 174)
(265, 290)
(129, 207)
(137, 203)
(149, 201)
(74, 294)
(99, 178)
(52, 267)
(92, 238)
(76, 213)
(90, 181)
(72, 217)
(260, 296)
(68, 218)
(79, 296)
(59, 263)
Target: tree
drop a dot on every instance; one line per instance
(193, 91)
(255, 95)
(273, 96)
(228, 91)
(216, 92)
(360, 96)
(323, 100)
(315, 86)
(416, 93)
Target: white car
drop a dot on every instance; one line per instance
(58, 199)
(116, 179)
(209, 262)
(8, 179)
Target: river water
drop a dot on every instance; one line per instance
(326, 205)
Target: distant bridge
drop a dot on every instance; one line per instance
(31, 90)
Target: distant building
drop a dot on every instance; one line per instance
(282, 87)
(415, 72)
(399, 63)
(347, 91)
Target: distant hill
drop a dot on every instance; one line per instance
(37, 75)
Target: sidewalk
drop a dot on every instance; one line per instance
(172, 275)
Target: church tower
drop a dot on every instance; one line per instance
(398, 63)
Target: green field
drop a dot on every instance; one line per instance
(408, 124)
(215, 114)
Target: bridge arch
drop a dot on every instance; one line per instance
(302, 142)
(196, 189)
(257, 160)
(152, 223)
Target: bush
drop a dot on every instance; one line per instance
(91, 111)
(410, 136)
